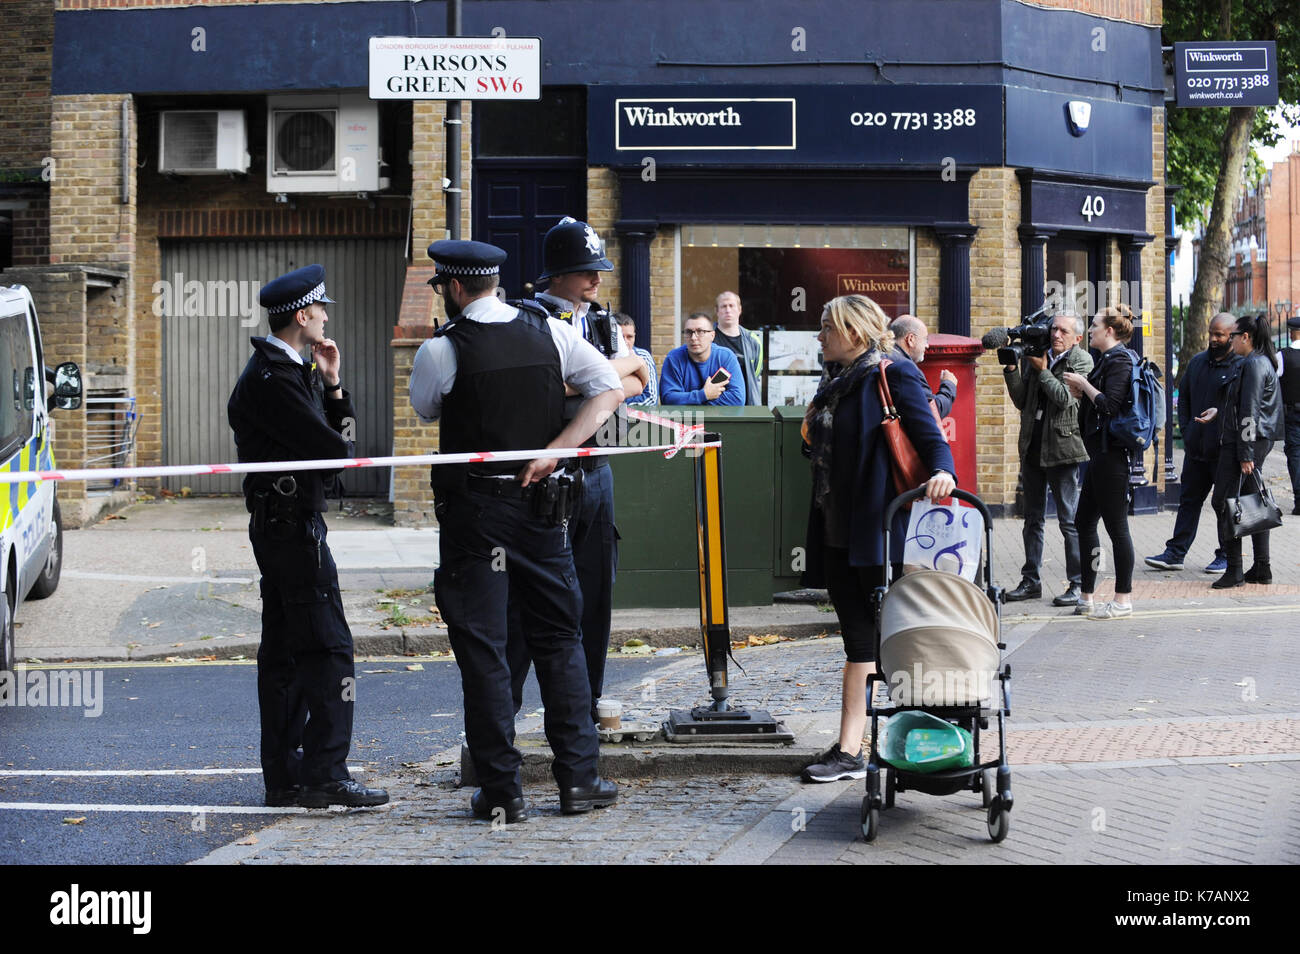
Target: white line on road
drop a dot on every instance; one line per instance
(101, 773)
(157, 809)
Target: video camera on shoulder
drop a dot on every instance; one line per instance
(1030, 339)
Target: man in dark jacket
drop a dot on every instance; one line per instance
(285, 409)
(911, 338)
(1201, 388)
(1051, 450)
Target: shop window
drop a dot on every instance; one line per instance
(784, 275)
(555, 125)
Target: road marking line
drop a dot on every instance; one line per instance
(1139, 615)
(156, 809)
(110, 773)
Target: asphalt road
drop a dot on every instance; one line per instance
(180, 720)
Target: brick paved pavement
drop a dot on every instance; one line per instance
(1171, 736)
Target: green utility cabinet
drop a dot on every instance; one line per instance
(765, 495)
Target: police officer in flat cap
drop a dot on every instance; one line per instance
(573, 258)
(496, 375)
(1289, 375)
(284, 408)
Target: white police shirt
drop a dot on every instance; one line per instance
(579, 311)
(433, 373)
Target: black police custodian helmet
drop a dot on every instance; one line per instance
(296, 289)
(457, 258)
(573, 246)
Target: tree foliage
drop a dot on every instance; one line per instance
(1210, 150)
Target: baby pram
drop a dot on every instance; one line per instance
(939, 652)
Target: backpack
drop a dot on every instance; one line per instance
(1136, 426)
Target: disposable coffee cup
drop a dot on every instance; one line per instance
(609, 713)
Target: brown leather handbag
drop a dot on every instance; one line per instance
(906, 466)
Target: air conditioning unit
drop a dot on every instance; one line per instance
(202, 141)
(326, 142)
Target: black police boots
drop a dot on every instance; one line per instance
(346, 791)
(575, 801)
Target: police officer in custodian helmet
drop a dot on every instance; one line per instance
(285, 409)
(495, 376)
(573, 259)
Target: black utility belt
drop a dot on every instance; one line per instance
(592, 463)
(554, 499)
(278, 508)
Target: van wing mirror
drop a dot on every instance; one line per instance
(67, 386)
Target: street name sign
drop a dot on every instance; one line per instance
(456, 67)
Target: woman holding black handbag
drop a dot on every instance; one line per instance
(1104, 494)
(852, 485)
(1251, 416)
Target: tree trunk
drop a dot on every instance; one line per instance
(1216, 246)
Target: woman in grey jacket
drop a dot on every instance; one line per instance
(1251, 420)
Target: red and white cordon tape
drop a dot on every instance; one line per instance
(683, 435)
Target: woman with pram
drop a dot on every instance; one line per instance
(852, 485)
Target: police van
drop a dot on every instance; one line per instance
(31, 540)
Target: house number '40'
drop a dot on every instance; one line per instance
(1093, 205)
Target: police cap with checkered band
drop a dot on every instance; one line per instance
(457, 258)
(296, 289)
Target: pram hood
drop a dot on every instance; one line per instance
(938, 640)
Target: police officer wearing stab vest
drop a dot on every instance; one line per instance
(495, 375)
(285, 409)
(573, 258)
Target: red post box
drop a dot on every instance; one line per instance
(957, 353)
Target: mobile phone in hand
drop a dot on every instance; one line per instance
(720, 376)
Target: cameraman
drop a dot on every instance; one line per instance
(1051, 450)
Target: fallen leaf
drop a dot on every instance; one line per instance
(250, 840)
(174, 645)
(154, 625)
(418, 667)
(74, 821)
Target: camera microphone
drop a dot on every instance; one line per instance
(996, 338)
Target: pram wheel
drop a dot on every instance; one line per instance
(999, 821)
(988, 785)
(870, 820)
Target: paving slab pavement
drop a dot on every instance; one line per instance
(1182, 760)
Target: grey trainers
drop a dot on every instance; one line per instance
(1110, 611)
(835, 765)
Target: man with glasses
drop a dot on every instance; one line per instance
(1051, 449)
(1199, 389)
(699, 372)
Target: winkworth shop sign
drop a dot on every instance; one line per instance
(918, 125)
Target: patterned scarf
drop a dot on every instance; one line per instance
(835, 386)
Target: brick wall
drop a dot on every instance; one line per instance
(927, 277)
(88, 221)
(1133, 11)
(413, 500)
(25, 122)
(25, 80)
(995, 303)
(428, 167)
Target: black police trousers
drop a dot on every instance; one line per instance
(594, 541)
(306, 682)
(495, 552)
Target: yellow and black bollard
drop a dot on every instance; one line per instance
(719, 721)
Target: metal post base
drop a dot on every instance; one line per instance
(703, 724)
